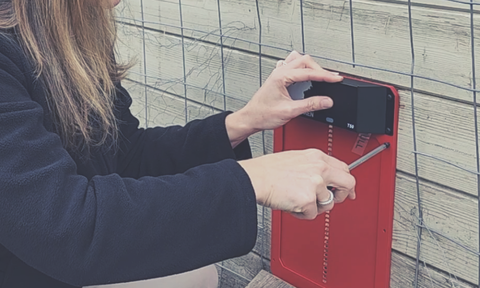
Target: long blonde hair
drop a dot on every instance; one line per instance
(70, 44)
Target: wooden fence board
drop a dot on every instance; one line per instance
(441, 37)
(403, 275)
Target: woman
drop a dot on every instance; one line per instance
(88, 198)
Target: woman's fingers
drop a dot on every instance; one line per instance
(309, 74)
(323, 196)
(310, 104)
(294, 181)
(271, 106)
(340, 192)
(292, 56)
(297, 181)
(342, 182)
(310, 212)
(305, 61)
(334, 162)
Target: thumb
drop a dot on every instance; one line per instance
(311, 104)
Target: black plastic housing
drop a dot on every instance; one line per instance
(358, 106)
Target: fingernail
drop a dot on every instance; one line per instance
(334, 73)
(327, 103)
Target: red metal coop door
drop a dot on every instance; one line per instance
(350, 246)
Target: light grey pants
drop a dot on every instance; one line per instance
(206, 277)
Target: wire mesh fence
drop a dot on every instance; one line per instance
(199, 57)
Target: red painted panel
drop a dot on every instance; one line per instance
(357, 250)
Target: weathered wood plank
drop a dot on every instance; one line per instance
(444, 129)
(436, 4)
(132, 8)
(403, 275)
(228, 279)
(130, 48)
(239, 272)
(446, 211)
(441, 37)
(267, 280)
(203, 69)
(248, 266)
(163, 109)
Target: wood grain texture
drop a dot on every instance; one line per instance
(437, 4)
(267, 280)
(446, 211)
(228, 279)
(444, 129)
(238, 272)
(441, 37)
(403, 275)
(248, 266)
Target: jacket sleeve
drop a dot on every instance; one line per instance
(174, 149)
(110, 229)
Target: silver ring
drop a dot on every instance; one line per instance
(328, 201)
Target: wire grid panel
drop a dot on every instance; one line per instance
(199, 57)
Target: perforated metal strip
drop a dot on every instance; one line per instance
(327, 215)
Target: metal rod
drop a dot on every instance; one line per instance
(183, 61)
(303, 26)
(474, 86)
(221, 55)
(260, 78)
(352, 33)
(369, 155)
(144, 45)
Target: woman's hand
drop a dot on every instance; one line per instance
(272, 106)
(295, 181)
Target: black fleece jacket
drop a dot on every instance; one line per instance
(167, 201)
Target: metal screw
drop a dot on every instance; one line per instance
(388, 130)
(389, 97)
